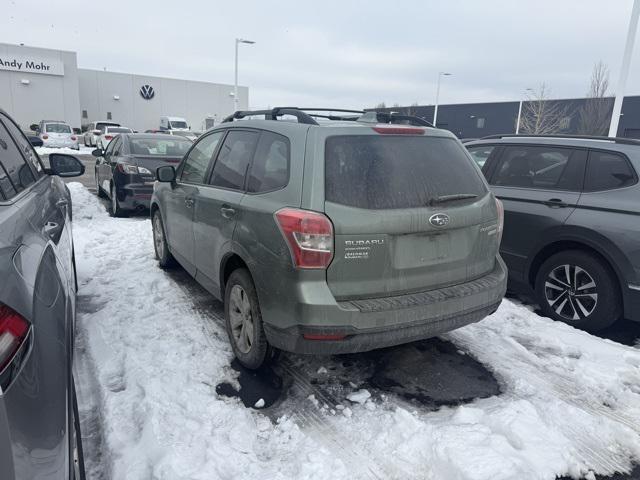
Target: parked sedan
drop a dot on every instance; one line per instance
(125, 171)
(39, 427)
(108, 133)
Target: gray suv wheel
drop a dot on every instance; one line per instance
(578, 288)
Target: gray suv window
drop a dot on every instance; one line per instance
(197, 162)
(607, 171)
(388, 172)
(270, 167)
(15, 174)
(540, 167)
(235, 155)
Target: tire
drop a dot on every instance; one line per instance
(244, 321)
(160, 245)
(578, 288)
(114, 204)
(76, 452)
(99, 190)
(84, 139)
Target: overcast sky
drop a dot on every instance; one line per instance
(341, 53)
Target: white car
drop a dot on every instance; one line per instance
(108, 134)
(94, 129)
(57, 134)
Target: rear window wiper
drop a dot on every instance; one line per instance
(451, 198)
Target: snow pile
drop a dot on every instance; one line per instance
(571, 402)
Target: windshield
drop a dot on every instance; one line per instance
(160, 147)
(178, 124)
(387, 172)
(57, 128)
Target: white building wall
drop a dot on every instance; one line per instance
(191, 100)
(45, 96)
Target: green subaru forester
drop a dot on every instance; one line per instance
(326, 233)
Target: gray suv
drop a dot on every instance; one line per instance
(332, 233)
(39, 426)
(572, 229)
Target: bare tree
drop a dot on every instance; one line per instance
(542, 116)
(595, 114)
(381, 105)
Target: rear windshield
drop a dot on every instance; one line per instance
(118, 130)
(160, 147)
(178, 124)
(386, 172)
(57, 128)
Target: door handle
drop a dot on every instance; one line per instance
(227, 211)
(555, 203)
(189, 202)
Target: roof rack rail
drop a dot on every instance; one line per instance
(309, 118)
(620, 140)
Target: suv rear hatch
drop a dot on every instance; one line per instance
(411, 213)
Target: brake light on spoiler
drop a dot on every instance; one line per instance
(398, 130)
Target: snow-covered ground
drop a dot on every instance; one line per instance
(153, 353)
(70, 151)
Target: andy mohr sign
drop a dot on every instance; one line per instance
(31, 64)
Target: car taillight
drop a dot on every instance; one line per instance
(309, 236)
(13, 331)
(44, 137)
(108, 137)
(500, 208)
(73, 137)
(398, 130)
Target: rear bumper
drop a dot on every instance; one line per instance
(135, 196)
(383, 322)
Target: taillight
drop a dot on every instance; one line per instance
(398, 130)
(73, 137)
(13, 331)
(309, 236)
(500, 208)
(108, 137)
(44, 137)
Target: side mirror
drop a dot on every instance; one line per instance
(65, 165)
(166, 174)
(35, 141)
(34, 127)
(97, 152)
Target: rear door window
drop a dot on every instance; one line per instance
(234, 157)
(608, 171)
(270, 167)
(540, 167)
(15, 173)
(390, 172)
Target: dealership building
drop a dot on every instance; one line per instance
(42, 84)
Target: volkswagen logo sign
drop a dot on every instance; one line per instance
(146, 92)
(439, 219)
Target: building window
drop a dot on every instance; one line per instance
(565, 122)
(480, 122)
(108, 115)
(84, 114)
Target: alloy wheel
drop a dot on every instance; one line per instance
(158, 236)
(241, 319)
(571, 292)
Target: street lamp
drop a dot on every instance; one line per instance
(624, 69)
(435, 110)
(520, 110)
(235, 85)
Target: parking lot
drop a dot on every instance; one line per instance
(515, 396)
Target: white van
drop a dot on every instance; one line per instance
(173, 123)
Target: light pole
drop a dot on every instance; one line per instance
(520, 111)
(235, 84)
(624, 69)
(435, 110)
